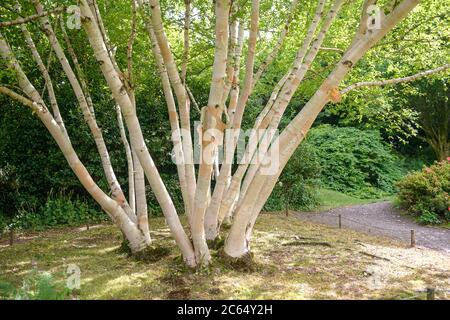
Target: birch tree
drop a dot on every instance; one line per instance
(240, 190)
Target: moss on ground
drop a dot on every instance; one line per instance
(291, 260)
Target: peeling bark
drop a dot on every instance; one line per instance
(237, 243)
(137, 140)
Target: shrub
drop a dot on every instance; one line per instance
(59, 210)
(172, 185)
(425, 193)
(3, 225)
(8, 192)
(354, 161)
(296, 188)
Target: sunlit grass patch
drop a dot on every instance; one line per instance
(330, 199)
(293, 259)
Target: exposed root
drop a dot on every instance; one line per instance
(374, 256)
(311, 243)
(181, 294)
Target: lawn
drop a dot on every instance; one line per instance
(330, 199)
(293, 260)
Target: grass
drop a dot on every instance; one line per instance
(330, 199)
(293, 260)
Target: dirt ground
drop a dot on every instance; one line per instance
(293, 259)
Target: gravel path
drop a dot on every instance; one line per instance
(382, 219)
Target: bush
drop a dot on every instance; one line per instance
(354, 161)
(3, 225)
(172, 185)
(59, 210)
(296, 187)
(425, 193)
(8, 192)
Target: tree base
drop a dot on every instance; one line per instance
(152, 254)
(216, 244)
(245, 263)
(149, 254)
(125, 247)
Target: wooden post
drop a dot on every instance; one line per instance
(11, 237)
(340, 222)
(413, 239)
(430, 293)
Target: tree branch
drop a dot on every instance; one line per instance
(263, 67)
(57, 10)
(187, 22)
(14, 95)
(331, 49)
(395, 80)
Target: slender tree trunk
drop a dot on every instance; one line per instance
(181, 94)
(123, 136)
(38, 106)
(173, 118)
(137, 140)
(87, 110)
(45, 74)
(275, 108)
(212, 212)
(141, 199)
(211, 126)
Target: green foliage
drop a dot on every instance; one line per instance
(430, 97)
(59, 210)
(173, 187)
(8, 192)
(296, 187)
(3, 225)
(35, 286)
(396, 110)
(356, 162)
(425, 193)
(428, 217)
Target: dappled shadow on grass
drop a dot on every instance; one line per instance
(291, 260)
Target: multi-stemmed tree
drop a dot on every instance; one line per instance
(239, 191)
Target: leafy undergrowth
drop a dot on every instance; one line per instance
(291, 260)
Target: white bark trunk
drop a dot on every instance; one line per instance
(141, 199)
(38, 106)
(173, 119)
(129, 157)
(212, 212)
(212, 121)
(276, 106)
(137, 140)
(183, 101)
(87, 110)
